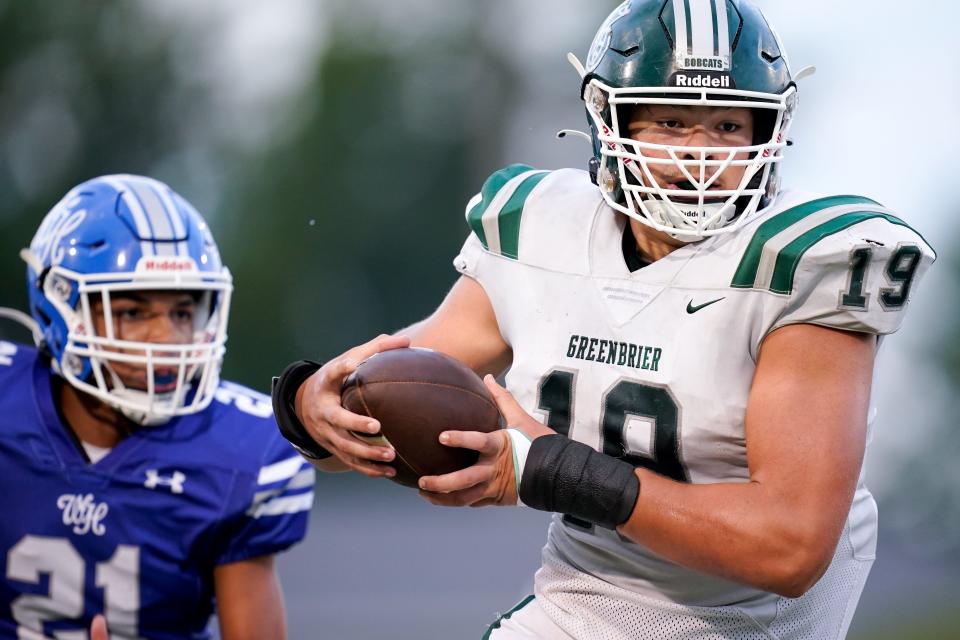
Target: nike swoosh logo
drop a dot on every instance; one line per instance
(694, 309)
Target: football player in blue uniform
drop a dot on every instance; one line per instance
(690, 351)
(138, 487)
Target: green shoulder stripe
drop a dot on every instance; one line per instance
(509, 219)
(774, 252)
(746, 273)
(789, 257)
(488, 192)
(495, 218)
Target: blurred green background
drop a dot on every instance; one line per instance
(333, 144)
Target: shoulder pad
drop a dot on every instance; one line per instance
(15, 357)
(494, 214)
(540, 218)
(843, 262)
(243, 400)
(822, 228)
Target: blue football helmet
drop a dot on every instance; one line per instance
(118, 234)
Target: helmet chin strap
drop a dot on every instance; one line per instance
(142, 418)
(676, 214)
(135, 396)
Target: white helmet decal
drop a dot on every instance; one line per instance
(602, 40)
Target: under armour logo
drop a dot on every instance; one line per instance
(175, 481)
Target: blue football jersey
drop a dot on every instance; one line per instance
(137, 535)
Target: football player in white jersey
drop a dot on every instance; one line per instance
(689, 351)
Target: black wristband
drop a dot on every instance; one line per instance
(569, 477)
(284, 394)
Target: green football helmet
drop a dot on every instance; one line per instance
(714, 53)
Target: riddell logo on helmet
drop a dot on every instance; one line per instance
(166, 265)
(704, 80)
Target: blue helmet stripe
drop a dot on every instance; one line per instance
(134, 203)
(139, 220)
(163, 192)
(157, 214)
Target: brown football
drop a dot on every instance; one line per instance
(416, 394)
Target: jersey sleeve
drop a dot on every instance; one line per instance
(523, 223)
(856, 272)
(495, 215)
(272, 508)
(525, 216)
(502, 218)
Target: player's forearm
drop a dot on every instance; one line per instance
(484, 353)
(249, 600)
(465, 327)
(738, 531)
(258, 631)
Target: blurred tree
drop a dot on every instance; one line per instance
(348, 228)
(85, 89)
(925, 498)
(342, 227)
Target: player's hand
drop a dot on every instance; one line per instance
(492, 480)
(319, 409)
(98, 628)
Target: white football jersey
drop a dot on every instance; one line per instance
(655, 366)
